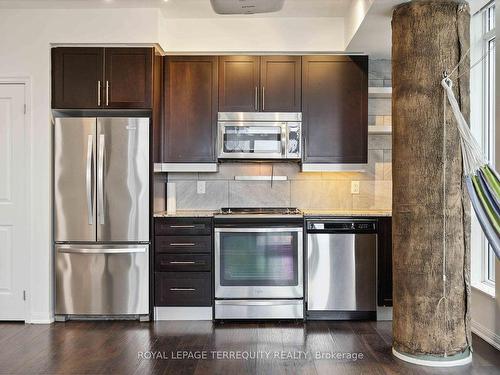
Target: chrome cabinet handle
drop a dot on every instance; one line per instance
(100, 180)
(263, 98)
(107, 93)
(88, 180)
(182, 289)
(182, 244)
(98, 93)
(182, 226)
(256, 98)
(179, 262)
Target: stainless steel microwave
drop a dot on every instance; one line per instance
(259, 135)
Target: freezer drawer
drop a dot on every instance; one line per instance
(102, 279)
(341, 272)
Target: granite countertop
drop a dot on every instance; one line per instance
(187, 213)
(371, 213)
(210, 213)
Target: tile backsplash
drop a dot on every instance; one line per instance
(302, 190)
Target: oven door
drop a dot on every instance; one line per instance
(252, 140)
(258, 263)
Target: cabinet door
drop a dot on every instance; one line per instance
(183, 289)
(385, 261)
(335, 109)
(280, 81)
(157, 115)
(239, 83)
(77, 77)
(190, 109)
(128, 77)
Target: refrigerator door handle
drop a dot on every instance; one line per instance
(100, 180)
(88, 180)
(84, 250)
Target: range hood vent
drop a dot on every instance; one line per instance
(246, 6)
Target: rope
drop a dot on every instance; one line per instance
(459, 62)
(443, 297)
(479, 61)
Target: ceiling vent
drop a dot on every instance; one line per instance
(246, 6)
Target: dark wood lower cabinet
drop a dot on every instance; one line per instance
(183, 289)
(183, 226)
(183, 262)
(183, 244)
(385, 261)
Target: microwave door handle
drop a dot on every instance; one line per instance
(284, 141)
(256, 98)
(263, 98)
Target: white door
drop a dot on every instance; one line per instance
(13, 225)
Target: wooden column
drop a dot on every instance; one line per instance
(429, 37)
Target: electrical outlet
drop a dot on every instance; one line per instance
(201, 187)
(354, 187)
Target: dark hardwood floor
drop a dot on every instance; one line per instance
(122, 348)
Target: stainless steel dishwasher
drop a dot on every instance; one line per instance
(341, 269)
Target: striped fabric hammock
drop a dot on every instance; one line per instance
(482, 181)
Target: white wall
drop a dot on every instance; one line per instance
(357, 12)
(252, 34)
(25, 38)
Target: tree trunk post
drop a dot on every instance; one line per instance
(431, 221)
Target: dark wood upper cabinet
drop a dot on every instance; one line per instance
(260, 84)
(157, 113)
(239, 83)
(128, 77)
(93, 78)
(335, 109)
(190, 108)
(280, 79)
(77, 77)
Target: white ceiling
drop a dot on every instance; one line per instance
(190, 8)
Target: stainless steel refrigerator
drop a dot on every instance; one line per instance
(101, 216)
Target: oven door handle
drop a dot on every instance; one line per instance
(233, 229)
(259, 303)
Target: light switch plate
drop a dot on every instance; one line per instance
(201, 187)
(354, 187)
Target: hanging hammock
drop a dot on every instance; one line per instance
(482, 181)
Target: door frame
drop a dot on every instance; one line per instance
(28, 227)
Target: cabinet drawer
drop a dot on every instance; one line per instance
(183, 226)
(183, 289)
(183, 244)
(183, 262)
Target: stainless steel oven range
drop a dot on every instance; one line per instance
(259, 264)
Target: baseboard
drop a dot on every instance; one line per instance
(41, 318)
(384, 313)
(183, 313)
(486, 334)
